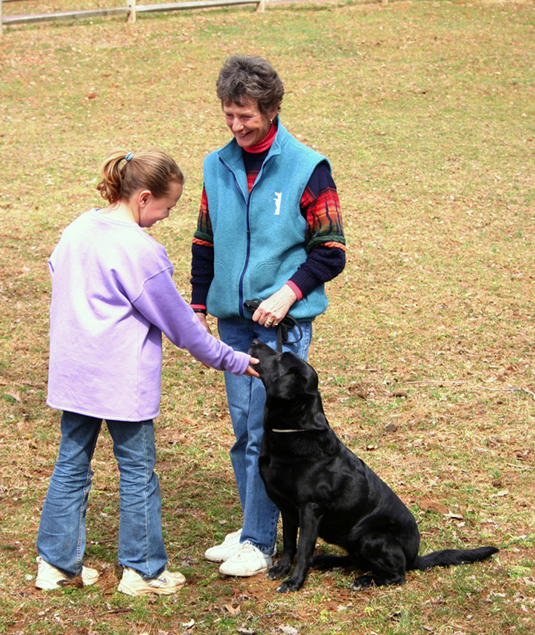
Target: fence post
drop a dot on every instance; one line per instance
(131, 4)
(261, 6)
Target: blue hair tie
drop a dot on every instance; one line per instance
(129, 157)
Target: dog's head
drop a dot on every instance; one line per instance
(284, 375)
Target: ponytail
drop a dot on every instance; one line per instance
(124, 173)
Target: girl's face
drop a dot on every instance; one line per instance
(152, 209)
(247, 123)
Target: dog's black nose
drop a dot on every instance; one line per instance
(252, 348)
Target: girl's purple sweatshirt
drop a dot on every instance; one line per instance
(112, 297)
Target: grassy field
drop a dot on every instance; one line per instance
(427, 112)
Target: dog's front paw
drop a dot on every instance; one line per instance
(362, 582)
(277, 572)
(289, 585)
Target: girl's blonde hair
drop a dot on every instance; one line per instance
(124, 173)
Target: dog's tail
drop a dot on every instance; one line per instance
(449, 557)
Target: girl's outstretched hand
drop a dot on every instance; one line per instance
(250, 370)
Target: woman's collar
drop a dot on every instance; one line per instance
(265, 143)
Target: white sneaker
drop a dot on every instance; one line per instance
(166, 583)
(245, 562)
(226, 549)
(49, 578)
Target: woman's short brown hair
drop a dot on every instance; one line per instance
(249, 77)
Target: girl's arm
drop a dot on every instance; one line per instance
(162, 305)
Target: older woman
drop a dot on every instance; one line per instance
(270, 228)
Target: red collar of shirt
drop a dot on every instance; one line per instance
(266, 142)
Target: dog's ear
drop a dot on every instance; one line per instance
(311, 379)
(289, 385)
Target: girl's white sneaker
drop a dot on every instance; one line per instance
(50, 578)
(166, 583)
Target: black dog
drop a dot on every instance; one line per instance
(323, 489)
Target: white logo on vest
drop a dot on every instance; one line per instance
(277, 199)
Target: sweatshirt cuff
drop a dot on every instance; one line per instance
(243, 357)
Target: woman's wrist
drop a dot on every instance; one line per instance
(295, 290)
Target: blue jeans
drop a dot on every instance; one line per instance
(61, 537)
(246, 397)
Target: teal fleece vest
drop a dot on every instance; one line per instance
(259, 238)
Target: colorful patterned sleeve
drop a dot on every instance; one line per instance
(325, 240)
(321, 205)
(202, 257)
(204, 234)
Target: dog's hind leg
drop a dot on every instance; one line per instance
(289, 537)
(385, 558)
(309, 521)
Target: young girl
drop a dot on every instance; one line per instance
(112, 297)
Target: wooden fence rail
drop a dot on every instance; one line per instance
(131, 10)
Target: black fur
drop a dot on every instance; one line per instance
(324, 490)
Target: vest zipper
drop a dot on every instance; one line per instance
(248, 251)
(248, 254)
(241, 299)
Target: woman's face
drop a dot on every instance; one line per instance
(247, 123)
